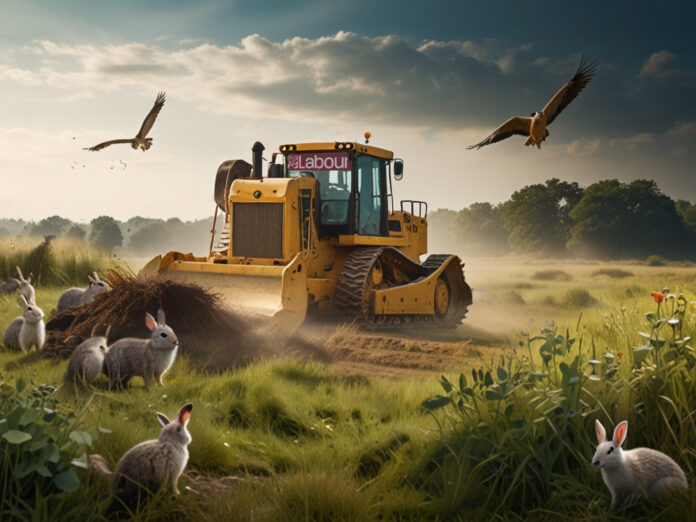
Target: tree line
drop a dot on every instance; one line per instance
(608, 219)
(138, 235)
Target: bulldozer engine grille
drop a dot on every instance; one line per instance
(257, 230)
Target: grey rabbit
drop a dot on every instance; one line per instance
(73, 297)
(21, 286)
(152, 464)
(637, 473)
(28, 330)
(87, 361)
(148, 358)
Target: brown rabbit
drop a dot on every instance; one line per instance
(152, 464)
(637, 473)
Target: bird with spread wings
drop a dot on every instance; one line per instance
(141, 140)
(535, 126)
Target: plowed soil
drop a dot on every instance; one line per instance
(398, 355)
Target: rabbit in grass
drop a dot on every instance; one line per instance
(87, 361)
(77, 296)
(637, 473)
(21, 286)
(28, 330)
(148, 358)
(150, 465)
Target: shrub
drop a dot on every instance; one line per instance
(41, 443)
(552, 275)
(614, 273)
(655, 260)
(578, 298)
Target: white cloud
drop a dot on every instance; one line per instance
(20, 76)
(654, 66)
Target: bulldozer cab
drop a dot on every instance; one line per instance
(353, 189)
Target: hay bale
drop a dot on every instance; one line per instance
(211, 335)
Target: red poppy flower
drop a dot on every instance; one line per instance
(620, 355)
(658, 297)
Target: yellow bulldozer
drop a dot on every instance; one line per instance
(319, 234)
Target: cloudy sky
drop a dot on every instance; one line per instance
(426, 78)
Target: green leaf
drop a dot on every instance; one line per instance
(436, 402)
(43, 471)
(487, 379)
(16, 436)
(29, 416)
(67, 481)
(38, 444)
(446, 384)
(20, 385)
(493, 395)
(81, 437)
(80, 462)
(462, 382)
(502, 374)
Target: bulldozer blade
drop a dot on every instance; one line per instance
(278, 292)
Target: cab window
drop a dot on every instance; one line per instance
(371, 204)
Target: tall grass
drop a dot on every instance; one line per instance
(518, 434)
(56, 263)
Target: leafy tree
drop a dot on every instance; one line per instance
(537, 216)
(688, 213)
(627, 220)
(54, 225)
(481, 228)
(151, 238)
(105, 233)
(76, 232)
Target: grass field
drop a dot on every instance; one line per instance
(285, 439)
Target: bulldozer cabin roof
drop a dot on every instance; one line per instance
(337, 146)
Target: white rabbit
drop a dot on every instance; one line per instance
(21, 286)
(151, 464)
(637, 473)
(148, 358)
(87, 361)
(77, 296)
(28, 330)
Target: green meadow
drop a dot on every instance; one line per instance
(508, 437)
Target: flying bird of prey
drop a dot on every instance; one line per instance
(140, 140)
(535, 126)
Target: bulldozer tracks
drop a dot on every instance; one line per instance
(354, 289)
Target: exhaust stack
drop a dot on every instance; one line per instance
(257, 160)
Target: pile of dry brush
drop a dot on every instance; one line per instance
(214, 337)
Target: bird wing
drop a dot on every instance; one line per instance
(515, 125)
(107, 143)
(151, 117)
(570, 90)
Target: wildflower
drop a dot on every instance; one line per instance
(620, 355)
(665, 290)
(658, 297)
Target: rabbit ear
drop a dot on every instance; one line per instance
(163, 419)
(620, 433)
(29, 278)
(160, 317)
(22, 301)
(19, 273)
(150, 322)
(91, 279)
(106, 334)
(96, 276)
(185, 413)
(600, 431)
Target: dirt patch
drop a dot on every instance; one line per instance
(397, 355)
(214, 337)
